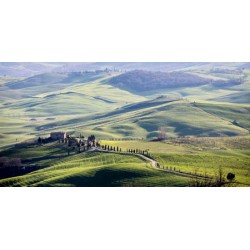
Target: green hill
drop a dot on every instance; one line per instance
(47, 82)
(149, 119)
(239, 97)
(87, 101)
(86, 169)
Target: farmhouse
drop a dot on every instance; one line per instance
(58, 135)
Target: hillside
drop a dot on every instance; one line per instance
(239, 97)
(89, 169)
(27, 69)
(145, 105)
(50, 165)
(149, 119)
(139, 80)
(192, 117)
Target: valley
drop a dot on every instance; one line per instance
(193, 117)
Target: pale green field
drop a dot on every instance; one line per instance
(87, 105)
(141, 120)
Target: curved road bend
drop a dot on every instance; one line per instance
(154, 164)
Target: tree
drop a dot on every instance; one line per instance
(230, 176)
(220, 179)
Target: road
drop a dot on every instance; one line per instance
(153, 163)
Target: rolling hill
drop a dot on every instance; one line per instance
(139, 80)
(27, 69)
(91, 169)
(193, 117)
(239, 97)
(148, 119)
(136, 103)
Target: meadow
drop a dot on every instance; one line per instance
(86, 169)
(195, 127)
(202, 156)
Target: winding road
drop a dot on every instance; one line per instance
(153, 163)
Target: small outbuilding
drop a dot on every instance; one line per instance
(58, 135)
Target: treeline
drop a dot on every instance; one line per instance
(231, 82)
(129, 150)
(10, 167)
(111, 148)
(10, 162)
(140, 80)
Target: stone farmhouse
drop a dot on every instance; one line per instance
(58, 135)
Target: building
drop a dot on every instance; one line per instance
(58, 135)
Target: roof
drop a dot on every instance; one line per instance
(59, 132)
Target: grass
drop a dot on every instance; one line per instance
(199, 155)
(229, 112)
(88, 169)
(110, 112)
(77, 107)
(177, 118)
(191, 155)
(140, 120)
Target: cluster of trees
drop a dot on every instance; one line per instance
(231, 82)
(91, 138)
(118, 149)
(219, 180)
(44, 140)
(10, 167)
(111, 148)
(10, 162)
(138, 151)
(80, 144)
(140, 80)
(73, 143)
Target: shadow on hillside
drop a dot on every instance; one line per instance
(102, 178)
(47, 157)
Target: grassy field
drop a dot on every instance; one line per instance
(213, 119)
(44, 103)
(203, 156)
(86, 169)
(176, 118)
(144, 119)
